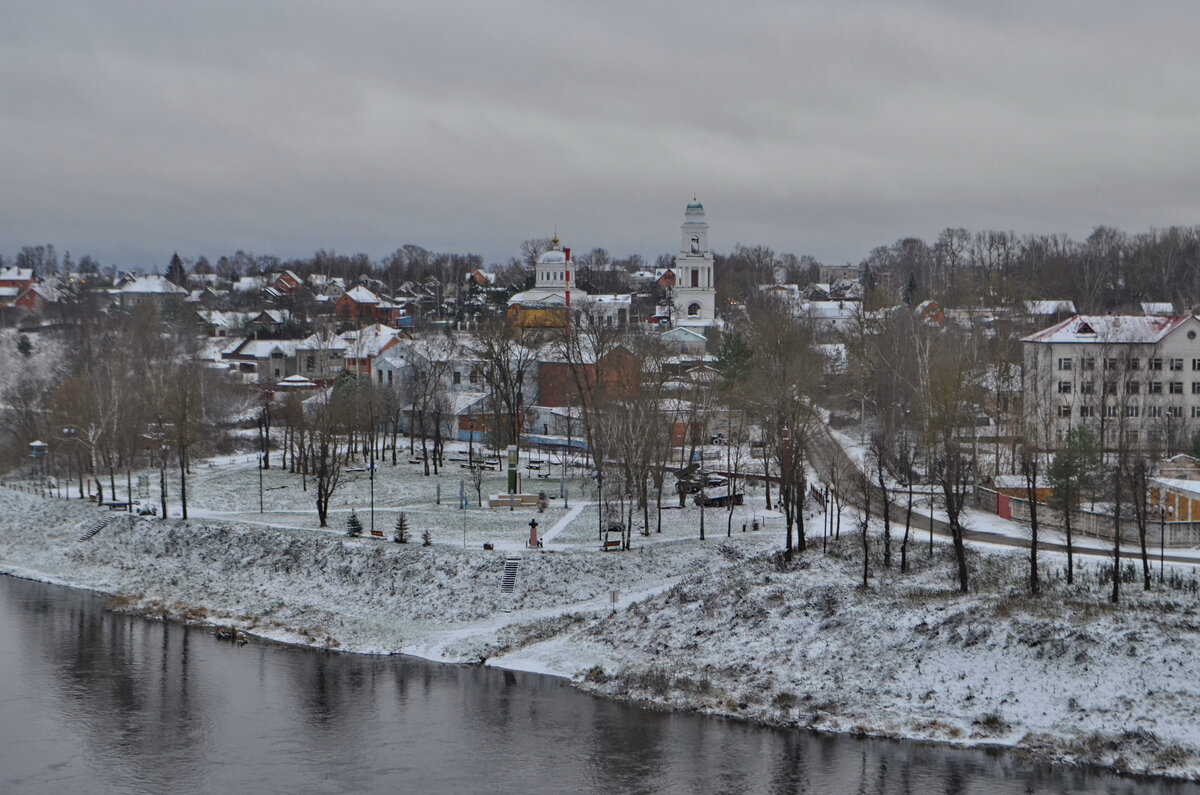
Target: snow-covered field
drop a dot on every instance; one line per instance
(721, 626)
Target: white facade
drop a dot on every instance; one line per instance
(1127, 378)
(553, 275)
(694, 295)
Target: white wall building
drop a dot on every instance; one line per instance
(1131, 378)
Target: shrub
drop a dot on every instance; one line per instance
(426, 538)
(354, 527)
(401, 534)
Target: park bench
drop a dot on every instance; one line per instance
(607, 545)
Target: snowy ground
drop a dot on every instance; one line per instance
(721, 626)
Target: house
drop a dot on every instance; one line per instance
(610, 376)
(321, 356)
(153, 289)
(931, 313)
(219, 324)
(684, 340)
(358, 303)
(267, 361)
(287, 282)
(35, 298)
(481, 278)
(17, 279)
(364, 345)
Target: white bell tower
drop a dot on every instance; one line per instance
(694, 295)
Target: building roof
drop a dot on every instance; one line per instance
(152, 284)
(361, 295)
(1050, 307)
(1110, 329)
(1158, 308)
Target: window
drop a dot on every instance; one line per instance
(693, 310)
(1135, 364)
(1064, 363)
(310, 363)
(475, 376)
(1176, 364)
(389, 372)
(1196, 387)
(1131, 436)
(1087, 388)
(381, 377)
(1132, 411)
(1110, 364)
(1110, 388)
(1156, 363)
(1154, 412)
(1064, 387)
(1064, 411)
(1156, 387)
(1088, 363)
(1110, 411)
(695, 277)
(457, 377)
(1196, 364)
(1175, 412)
(1175, 387)
(1087, 411)
(1132, 387)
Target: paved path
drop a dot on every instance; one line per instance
(562, 523)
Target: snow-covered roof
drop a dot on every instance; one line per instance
(682, 335)
(152, 284)
(263, 349)
(16, 274)
(1110, 329)
(371, 340)
(1158, 308)
(322, 342)
(361, 295)
(1049, 307)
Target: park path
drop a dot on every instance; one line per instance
(567, 518)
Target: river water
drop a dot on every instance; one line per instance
(94, 701)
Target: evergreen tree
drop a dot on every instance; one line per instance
(354, 527)
(176, 273)
(401, 534)
(426, 538)
(24, 346)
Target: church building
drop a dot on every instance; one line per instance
(694, 298)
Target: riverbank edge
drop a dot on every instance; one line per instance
(1027, 754)
(125, 563)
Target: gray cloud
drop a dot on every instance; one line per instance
(134, 129)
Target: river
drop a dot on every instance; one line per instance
(97, 701)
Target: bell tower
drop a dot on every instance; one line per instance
(694, 295)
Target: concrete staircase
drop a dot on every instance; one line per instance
(508, 584)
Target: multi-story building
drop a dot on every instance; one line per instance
(1129, 378)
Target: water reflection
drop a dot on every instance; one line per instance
(99, 702)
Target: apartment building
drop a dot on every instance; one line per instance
(1129, 378)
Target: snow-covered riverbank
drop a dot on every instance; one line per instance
(718, 626)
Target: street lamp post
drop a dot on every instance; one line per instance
(1163, 512)
(470, 441)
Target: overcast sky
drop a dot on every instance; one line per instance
(130, 130)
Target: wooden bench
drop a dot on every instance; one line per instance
(377, 533)
(607, 545)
